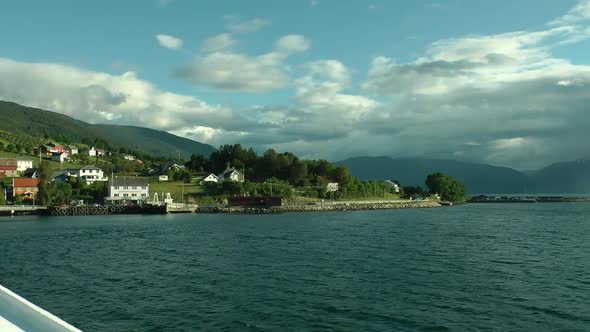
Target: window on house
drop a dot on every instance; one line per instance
(134, 195)
(125, 195)
(116, 195)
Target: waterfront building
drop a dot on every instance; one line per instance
(127, 190)
(23, 164)
(27, 188)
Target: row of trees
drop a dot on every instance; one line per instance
(270, 165)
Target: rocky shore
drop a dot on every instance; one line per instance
(328, 207)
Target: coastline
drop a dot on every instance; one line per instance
(331, 207)
(288, 208)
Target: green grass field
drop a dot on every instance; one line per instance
(176, 189)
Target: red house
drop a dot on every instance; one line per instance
(8, 167)
(25, 187)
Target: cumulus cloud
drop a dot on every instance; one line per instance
(218, 43)
(505, 99)
(236, 26)
(238, 72)
(169, 42)
(99, 97)
(506, 92)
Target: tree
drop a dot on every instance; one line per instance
(413, 192)
(446, 186)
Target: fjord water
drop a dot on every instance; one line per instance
(474, 267)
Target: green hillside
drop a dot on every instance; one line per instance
(33, 122)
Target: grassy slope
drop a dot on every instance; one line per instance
(23, 120)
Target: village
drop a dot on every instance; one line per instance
(69, 175)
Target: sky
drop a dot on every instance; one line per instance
(502, 82)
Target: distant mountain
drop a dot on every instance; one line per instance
(567, 177)
(19, 119)
(478, 178)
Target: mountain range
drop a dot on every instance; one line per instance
(560, 178)
(30, 121)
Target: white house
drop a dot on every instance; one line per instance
(59, 156)
(100, 152)
(211, 178)
(91, 152)
(163, 178)
(72, 150)
(391, 184)
(231, 174)
(332, 187)
(128, 157)
(91, 174)
(23, 164)
(127, 190)
(172, 166)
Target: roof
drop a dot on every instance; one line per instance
(25, 182)
(230, 170)
(57, 174)
(11, 162)
(91, 167)
(128, 181)
(57, 153)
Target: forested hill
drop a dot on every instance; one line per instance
(478, 178)
(18, 119)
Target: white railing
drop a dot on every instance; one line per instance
(18, 314)
(20, 207)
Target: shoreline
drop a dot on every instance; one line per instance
(290, 208)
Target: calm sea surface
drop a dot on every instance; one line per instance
(474, 267)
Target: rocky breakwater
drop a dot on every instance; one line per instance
(359, 206)
(322, 207)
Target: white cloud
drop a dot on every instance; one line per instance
(99, 97)
(218, 43)
(238, 72)
(505, 99)
(236, 26)
(289, 44)
(577, 14)
(169, 42)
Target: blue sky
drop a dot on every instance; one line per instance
(355, 77)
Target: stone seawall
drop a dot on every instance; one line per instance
(351, 206)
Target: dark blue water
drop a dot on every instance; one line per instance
(474, 267)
